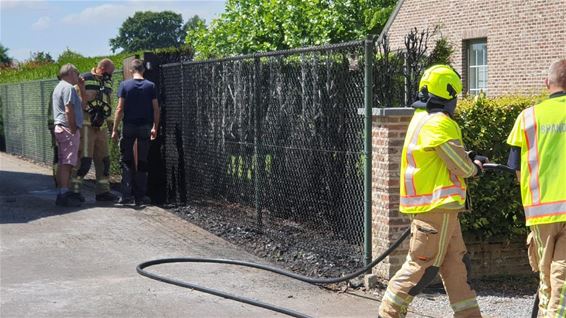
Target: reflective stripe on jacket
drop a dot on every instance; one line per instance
(540, 132)
(426, 181)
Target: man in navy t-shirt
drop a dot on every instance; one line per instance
(138, 108)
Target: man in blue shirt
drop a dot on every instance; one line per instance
(138, 108)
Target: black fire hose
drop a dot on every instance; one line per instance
(503, 168)
(317, 281)
(498, 167)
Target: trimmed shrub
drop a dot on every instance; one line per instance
(30, 72)
(496, 201)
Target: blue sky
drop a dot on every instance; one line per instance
(83, 26)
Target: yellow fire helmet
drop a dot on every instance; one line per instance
(441, 81)
(439, 88)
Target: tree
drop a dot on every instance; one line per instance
(441, 53)
(376, 15)
(194, 23)
(249, 26)
(195, 28)
(69, 56)
(149, 30)
(4, 58)
(41, 57)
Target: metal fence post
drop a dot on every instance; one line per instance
(182, 188)
(44, 119)
(368, 103)
(5, 116)
(23, 131)
(8, 113)
(257, 141)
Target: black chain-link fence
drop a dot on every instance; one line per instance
(25, 111)
(279, 131)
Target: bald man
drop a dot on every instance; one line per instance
(97, 102)
(538, 154)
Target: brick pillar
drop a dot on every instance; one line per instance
(389, 126)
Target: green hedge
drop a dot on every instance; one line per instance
(496, 201)
(31, 72)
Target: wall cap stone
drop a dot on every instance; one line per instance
(393, 111)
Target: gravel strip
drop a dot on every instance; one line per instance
(492, 305)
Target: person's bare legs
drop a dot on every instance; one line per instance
(63, 174)
(65, 197)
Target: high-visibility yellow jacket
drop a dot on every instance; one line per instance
(426, 181)
(540, 132)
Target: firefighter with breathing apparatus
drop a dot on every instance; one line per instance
(97, 93)
(434, 164)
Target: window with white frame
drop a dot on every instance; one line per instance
(477, 66)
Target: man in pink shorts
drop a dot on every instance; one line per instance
(68, 119)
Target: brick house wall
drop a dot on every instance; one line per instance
(523, 37)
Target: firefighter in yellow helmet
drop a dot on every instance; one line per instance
(538, 153)
(433, 193)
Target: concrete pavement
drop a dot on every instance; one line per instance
(80, 262)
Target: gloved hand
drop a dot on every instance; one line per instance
(478, 160)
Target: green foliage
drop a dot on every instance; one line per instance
(399, 71)
(31, 71)
(175, 54)
(193, 23)
(249, 26)
(441, 53)
(375, 17)
(41, 57)
(149, 30)
(238, 169)
(496, 200)
(4, 58)
(196, 34)
(69, 56)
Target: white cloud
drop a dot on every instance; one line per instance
(41, 24)
(100, 14)
(117, 13)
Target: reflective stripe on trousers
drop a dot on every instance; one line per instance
(436, 246)
(464, 305)
(550, 243)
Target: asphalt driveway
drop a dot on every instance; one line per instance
(80, 262)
